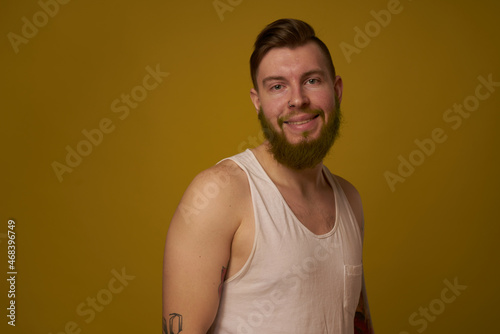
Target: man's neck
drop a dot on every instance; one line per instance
(305, 181)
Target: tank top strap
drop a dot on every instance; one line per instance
(343, 202)
(247, 161)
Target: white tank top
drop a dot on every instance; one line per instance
(294, 281)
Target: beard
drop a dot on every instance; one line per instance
(306, 153)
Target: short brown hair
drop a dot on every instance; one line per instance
(285, 33)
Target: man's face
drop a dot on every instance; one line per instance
(298, 104)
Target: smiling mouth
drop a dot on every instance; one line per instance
(301, 122)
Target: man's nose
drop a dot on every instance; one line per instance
(298, 98)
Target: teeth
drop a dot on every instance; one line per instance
(301, 122)
(298, 123)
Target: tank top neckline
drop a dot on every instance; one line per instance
(330, 181)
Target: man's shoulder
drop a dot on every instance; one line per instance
(226, 176)
(354, 199)
(348, 188)
(221, 186)
(215, 193)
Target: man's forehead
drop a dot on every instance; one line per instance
(299, 60)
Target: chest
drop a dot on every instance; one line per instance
(317, 213)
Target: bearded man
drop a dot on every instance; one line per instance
(275, 246)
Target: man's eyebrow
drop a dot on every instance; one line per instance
(306, 74)
(313, 72)
(272, 78)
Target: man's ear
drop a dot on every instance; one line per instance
(254, 96)
(338, 87)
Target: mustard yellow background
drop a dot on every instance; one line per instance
(112, 211)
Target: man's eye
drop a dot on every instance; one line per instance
(312, 81)
(276, 87)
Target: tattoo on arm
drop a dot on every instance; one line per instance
(222, 276)
(174, 324)
(175, 321)
(362, 319)
(164, 326)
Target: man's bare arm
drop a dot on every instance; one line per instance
(174, 325)
(198, 247)
(362, 318)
